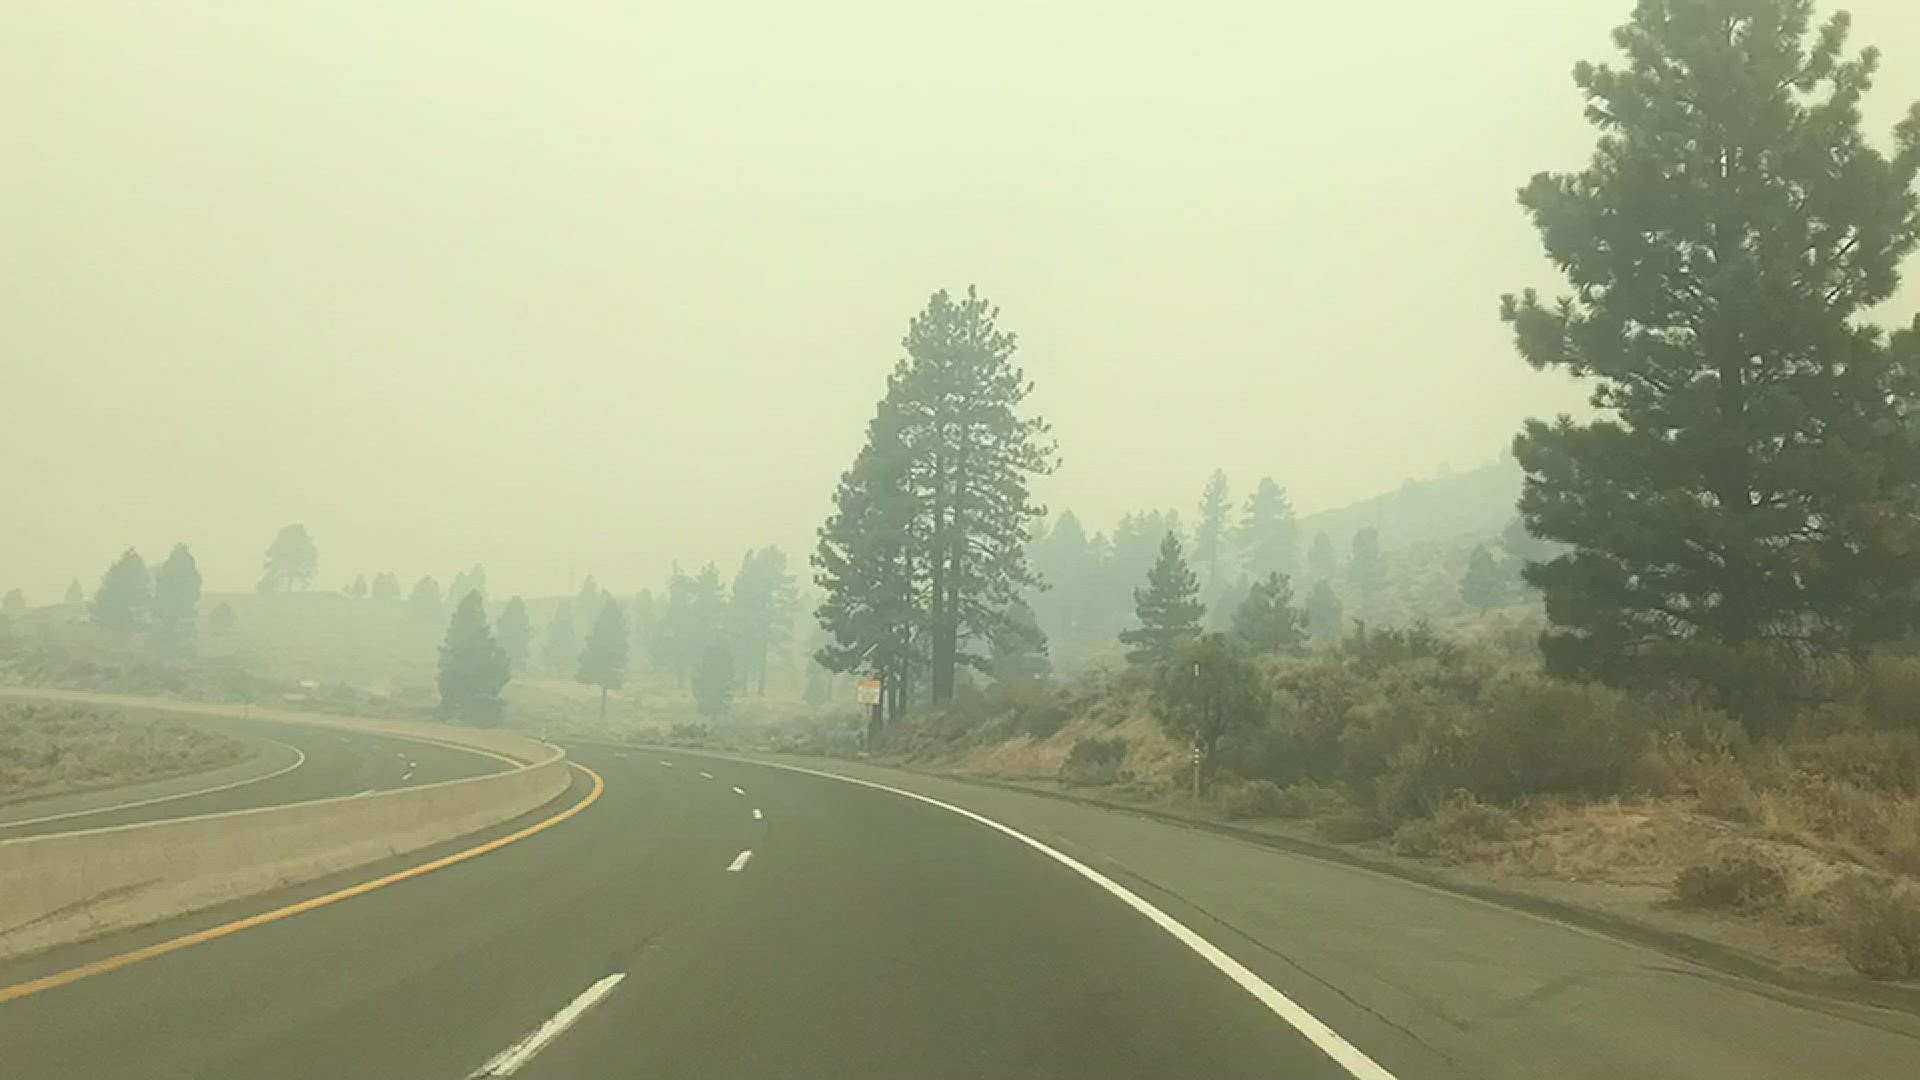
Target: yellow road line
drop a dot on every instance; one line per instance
(135, 956)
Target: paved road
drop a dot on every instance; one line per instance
(872, 936)
(292, 763)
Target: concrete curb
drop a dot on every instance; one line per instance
(71, 886)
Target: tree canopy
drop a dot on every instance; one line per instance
(124, 599)
(515, 631)
(1268, 534)
(292, 560)
(1168, 608)
(176, 601)
(1210, 531)
(603, 662)
(1267, 623)
(473, 666)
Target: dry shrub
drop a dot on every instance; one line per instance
(1094, 761)
(1738, 879)
(1352, 828)
(1458, 831)
(1239, 800)
(1876, 923)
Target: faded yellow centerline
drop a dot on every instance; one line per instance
(173, 945)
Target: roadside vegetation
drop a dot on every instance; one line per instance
(54, 749)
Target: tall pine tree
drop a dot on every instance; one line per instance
(516, 634)
(1323, 561)
(1747, 491)
(1326, 615)
(1268, 534)
(1483, 585)
(1366, 568)
(760, 613)
(473, 666)
(292, 561)
(560, 648)
(1168, 609)
(603, 662)
(176, 602)
(1210, 531)
(124, 599)
(1267, 623)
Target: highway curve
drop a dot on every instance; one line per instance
(292, 763)
(717, 918)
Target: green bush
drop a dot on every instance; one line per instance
(1736, 880)
(1249, 799)
(1094, 761)
(1877, 926)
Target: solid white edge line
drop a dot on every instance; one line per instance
(1329, 1041)
(738, 791)
(369, 791)
(300, 758)
(756, 813)
(739, 862)
(509, 1061)
(706, 776)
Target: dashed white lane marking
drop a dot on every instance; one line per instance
(756, 814)
(1331, 1043)
(739, 791)
(666, 764)
(408, 775)
(706, 776)
(739, 862)
(401, 754)
(509, 1061)
(299, 759)
(620, 753)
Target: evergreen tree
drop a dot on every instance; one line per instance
(819, 685)
(473, 666)
(220, 619)
(359, 589)
(424, 604)
(15, 601)
(1019, 656)
(1366, 570)
(1483, 585)
(1747, 491)
(125, 596)
(1210, 531)
(474, 580)
(643, 627)
(761, 612)
(176, 601)
(386, 588)
(586, 603)
(713, 679)
(1268, 534)
(945, 473)
(560, 647)
(1266, 623)
(1323, 561)
(516, 634)
(1070, 608)
(1326, 616)
(74, 595)
(1168, 609)
(292, 561)
(603, 663)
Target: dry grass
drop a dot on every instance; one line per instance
(51, 749)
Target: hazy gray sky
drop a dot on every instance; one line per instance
(572, 287)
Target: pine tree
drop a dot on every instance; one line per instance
(603, 662)
(1326, 616)
(292, 561)
(713, 679)
(424, 603)
(1266, 623)
(473, 666)
(176, 601)
(1168, 609)
(1210, 531)
(515, 631)
(1483, 585)
(586, 603)
(1019, 656)
(1366, 570)
(1323, 561)
(950, 434)
(386, 587)
(1070, 609)
(1268, 534)
(1747, 491)
(16, 601)
(125, 596)
(464, 582)
(220, 619)
(760, 615)
(560, 646)
(74, 595)
(359, 589)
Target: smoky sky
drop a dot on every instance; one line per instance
(571, 288)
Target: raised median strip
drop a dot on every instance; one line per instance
(71, 886)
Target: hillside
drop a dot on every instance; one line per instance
(1468, 506)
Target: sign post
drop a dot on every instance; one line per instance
(869, 695)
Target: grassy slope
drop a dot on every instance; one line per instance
(53, 749)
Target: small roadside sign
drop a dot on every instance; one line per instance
(869, 690)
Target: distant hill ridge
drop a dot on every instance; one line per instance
(1467, 505)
